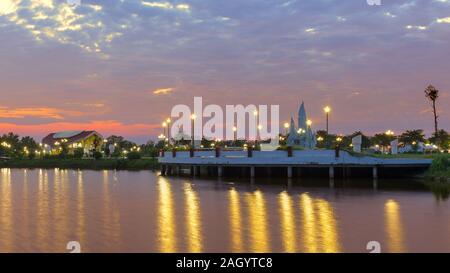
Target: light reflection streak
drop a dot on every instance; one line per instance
(287, 218)
(235, 221)
(166, 217)
(394, 228)
(193, 219)
(259, 233)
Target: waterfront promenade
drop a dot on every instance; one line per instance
(286, 163)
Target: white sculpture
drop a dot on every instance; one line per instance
(394, 147)
(357, 142)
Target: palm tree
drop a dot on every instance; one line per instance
(432, 94)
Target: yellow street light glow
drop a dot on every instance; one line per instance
(168, 120)
(234, 129)
(255, 113)
(309, 122)
(339, 139)
(164, 124)
(193, 116)
(327, 109)
(390, 133)
(286, 125)
(319, 138)
(260, 127)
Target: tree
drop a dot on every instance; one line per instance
(412, 137)
(443, 138)
(432, 94)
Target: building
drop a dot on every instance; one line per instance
(87, 140)
(301, 135)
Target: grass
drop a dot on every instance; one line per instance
(440, 168)
(418, 155)
(87, 164)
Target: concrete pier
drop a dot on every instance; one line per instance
(375, 172)
(331, 172)
(289, 172)
(273, 163)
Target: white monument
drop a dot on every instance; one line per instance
(357, 142)
(394, 147)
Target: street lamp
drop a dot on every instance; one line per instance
(389, 133)
(235, 133)
(193, 117)
(286, 127)
(168, 121)
(309, 123)
(327, 111)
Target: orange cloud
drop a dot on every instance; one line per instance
(163, 91)
(39, 112)
(104, 127)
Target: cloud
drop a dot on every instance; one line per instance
(36, 112)
(167, 5)
(163, 91)
(445, 20)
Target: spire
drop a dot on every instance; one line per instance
(302, 117)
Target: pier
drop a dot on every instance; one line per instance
(290, 163)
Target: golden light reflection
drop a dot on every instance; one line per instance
(328, 227)
(235, 221)
(287, 217)
(81, 221)
(308, 224)
(259, 233)
(111, 212)
(43, 209)
(319, 226)
(166, 217)
(6, 221)
(193, 219)
(394, 228)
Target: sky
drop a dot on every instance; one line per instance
(119, 66)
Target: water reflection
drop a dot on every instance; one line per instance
(257, 214)
(394, 227)
(6, 221)
(41, 210)
(319, 225)
(235, 221)
(166, 217)
(287, 215)
(193, 219)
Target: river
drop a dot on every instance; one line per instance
(109, 211)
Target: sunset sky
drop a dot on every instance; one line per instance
(118, 66)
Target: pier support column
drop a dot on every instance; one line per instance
(289, 172)
(331, 172)
(196, 170)
(252, 171)
(375, 172)
(163, 170)
(220, 171)
(269, 171)
(169, 170)
(192, 171)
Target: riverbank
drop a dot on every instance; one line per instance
(83, 164)
(440, 168)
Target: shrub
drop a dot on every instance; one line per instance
(97, 155)
(133, 155)
(78, 153)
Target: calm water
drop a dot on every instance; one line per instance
(107, 211)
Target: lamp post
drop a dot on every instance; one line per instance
(234, 134)
(286, 128)
(327, 111)
(164, 125)
(168, 121)
(193, 117)
(258, 136)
